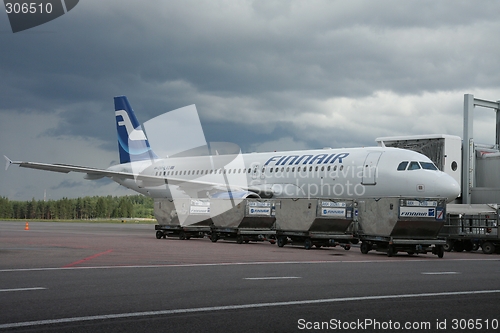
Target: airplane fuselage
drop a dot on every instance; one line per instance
(323, 173)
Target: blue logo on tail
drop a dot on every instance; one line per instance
(133, 144)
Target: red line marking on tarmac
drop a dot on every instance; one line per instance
(87, 259)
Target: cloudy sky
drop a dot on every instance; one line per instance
(264, 74)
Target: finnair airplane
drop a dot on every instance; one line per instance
(322, 173)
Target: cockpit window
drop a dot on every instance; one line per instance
(428, 166)
(414, 166)
(402, 166)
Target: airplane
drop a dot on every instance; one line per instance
(369, 172)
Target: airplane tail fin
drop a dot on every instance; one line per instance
(133, 144)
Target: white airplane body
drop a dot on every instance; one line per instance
(323, 173)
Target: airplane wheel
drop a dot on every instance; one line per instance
(308, 244)
(159, 234)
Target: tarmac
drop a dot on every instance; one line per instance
(84, 277)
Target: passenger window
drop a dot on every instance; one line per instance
(428, 166)
(402, 166)
(414, 166)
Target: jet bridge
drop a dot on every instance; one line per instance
(476, 166)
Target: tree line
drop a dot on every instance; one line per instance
(108, 207)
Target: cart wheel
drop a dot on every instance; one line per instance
(159, 234)
(475, 246)
(308, 244)
(347, 247)
(488, 248)
(440, 251)
(390, 251)
(213, 237)
(281, 241)
(365, 248)
(182, 235)
(410, 253)
(448, 246)
(239, 239)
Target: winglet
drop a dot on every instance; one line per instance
(8, 162)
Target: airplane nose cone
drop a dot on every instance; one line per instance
(448, 187)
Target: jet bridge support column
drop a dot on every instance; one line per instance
(468, 150)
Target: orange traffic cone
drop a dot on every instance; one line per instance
(27, 227)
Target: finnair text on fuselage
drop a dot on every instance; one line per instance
(306, 159)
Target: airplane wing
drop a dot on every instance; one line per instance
(92, 173)
(143, 180)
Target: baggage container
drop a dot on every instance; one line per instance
(315, 222)
(243, 220)
(401, 224)
(184, 218)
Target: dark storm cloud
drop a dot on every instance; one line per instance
(317, 73)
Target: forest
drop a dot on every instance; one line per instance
(109, 207)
